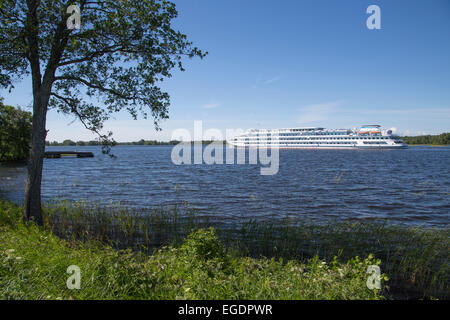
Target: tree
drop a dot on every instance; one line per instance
(15, 133)
(442, 139)
(69, 142)
(115, 61)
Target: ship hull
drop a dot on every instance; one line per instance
(319, 147)
(367, 137)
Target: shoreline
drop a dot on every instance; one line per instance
(415, 259)
(169, 145)
(429, 145)
(198, 268)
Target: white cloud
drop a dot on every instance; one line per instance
(272, 80)
(318, 112)
(260, 81)
(211, 105)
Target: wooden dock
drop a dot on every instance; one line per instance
(59, 154)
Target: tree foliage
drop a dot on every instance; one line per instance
(15, 133)
(441, 139)
(116, 61)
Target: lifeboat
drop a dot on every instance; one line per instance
(369, 129)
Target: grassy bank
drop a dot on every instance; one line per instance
(33, 264)
(415, 259)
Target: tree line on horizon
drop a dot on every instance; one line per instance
(141, 142)
(441, 139)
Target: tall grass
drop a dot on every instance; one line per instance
(33, 264)
(123, 227)
(415, 259)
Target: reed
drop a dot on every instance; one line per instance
(33, 263)
(415, 259)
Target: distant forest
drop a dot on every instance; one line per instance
(441, 139)
(141, 142)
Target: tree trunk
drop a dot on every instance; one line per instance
(32, 209)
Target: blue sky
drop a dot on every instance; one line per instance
(298, 63)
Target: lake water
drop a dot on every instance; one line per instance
(409, 185)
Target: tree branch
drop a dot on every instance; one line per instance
(92, 55)
(94, 86)
(73, 108)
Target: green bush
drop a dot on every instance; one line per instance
(15, 133)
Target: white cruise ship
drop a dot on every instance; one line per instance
(367, 136)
